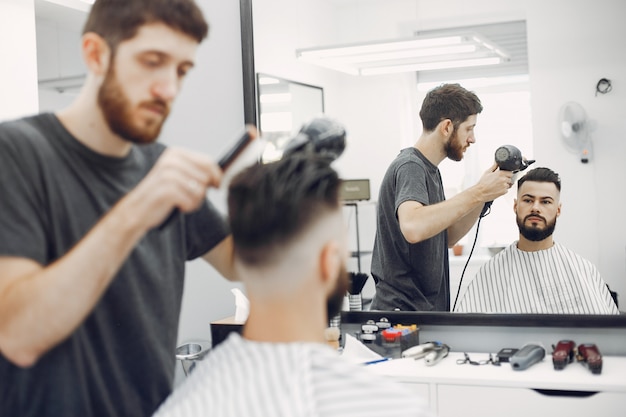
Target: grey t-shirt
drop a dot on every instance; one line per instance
(409, 277)
(120, 361)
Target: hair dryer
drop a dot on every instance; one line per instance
(508, 158)
(321, 135)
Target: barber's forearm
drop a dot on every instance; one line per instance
(221, 257)
(459, 229)
(42, 306)
(419, 223)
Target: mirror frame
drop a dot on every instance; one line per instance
(425, 317)
(247, 63)
(478, 319)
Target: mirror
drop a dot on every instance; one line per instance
(380, 112)
(283, 107)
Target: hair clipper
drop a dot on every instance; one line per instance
(437, 354)
(589, 355)
(419, 351)
(563, 354)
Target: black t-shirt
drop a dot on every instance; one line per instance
(120, 361)
(409, 277)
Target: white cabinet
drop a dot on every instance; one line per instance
(422, 390)
(58, 51)
(487, 390)
(487, 401)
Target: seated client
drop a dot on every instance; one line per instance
(291, 253)
(535, 274)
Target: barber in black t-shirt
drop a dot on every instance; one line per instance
(90, 286)
(415, 223)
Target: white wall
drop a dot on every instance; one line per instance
(18, 72)
(571, 45)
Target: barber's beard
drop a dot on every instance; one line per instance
(335, 299)
(535, 234)
(454, 150)
(118, 112)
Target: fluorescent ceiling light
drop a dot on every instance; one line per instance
(421, 53)
(430, 66)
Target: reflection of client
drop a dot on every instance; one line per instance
(535, 274)
(290, 249)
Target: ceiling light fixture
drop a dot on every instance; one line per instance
(421, 53)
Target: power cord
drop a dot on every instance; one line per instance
(482, 215)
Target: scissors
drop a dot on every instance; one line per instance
(466, 359)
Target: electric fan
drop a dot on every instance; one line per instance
(575, 130)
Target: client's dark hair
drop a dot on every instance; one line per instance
(541, 175)
(448, 101)
(269, 205)
(119, 20)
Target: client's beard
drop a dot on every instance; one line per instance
(535, 234)
(335, 299)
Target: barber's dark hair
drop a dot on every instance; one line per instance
(541, 175)
(119, 20)
(448, 101)
(269, 205)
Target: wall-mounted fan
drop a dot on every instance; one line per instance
(574, 127)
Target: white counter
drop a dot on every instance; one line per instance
(487, 390)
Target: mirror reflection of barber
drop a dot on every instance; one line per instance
(415, 223)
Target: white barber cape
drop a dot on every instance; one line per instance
(550, 281)
(246, 378)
